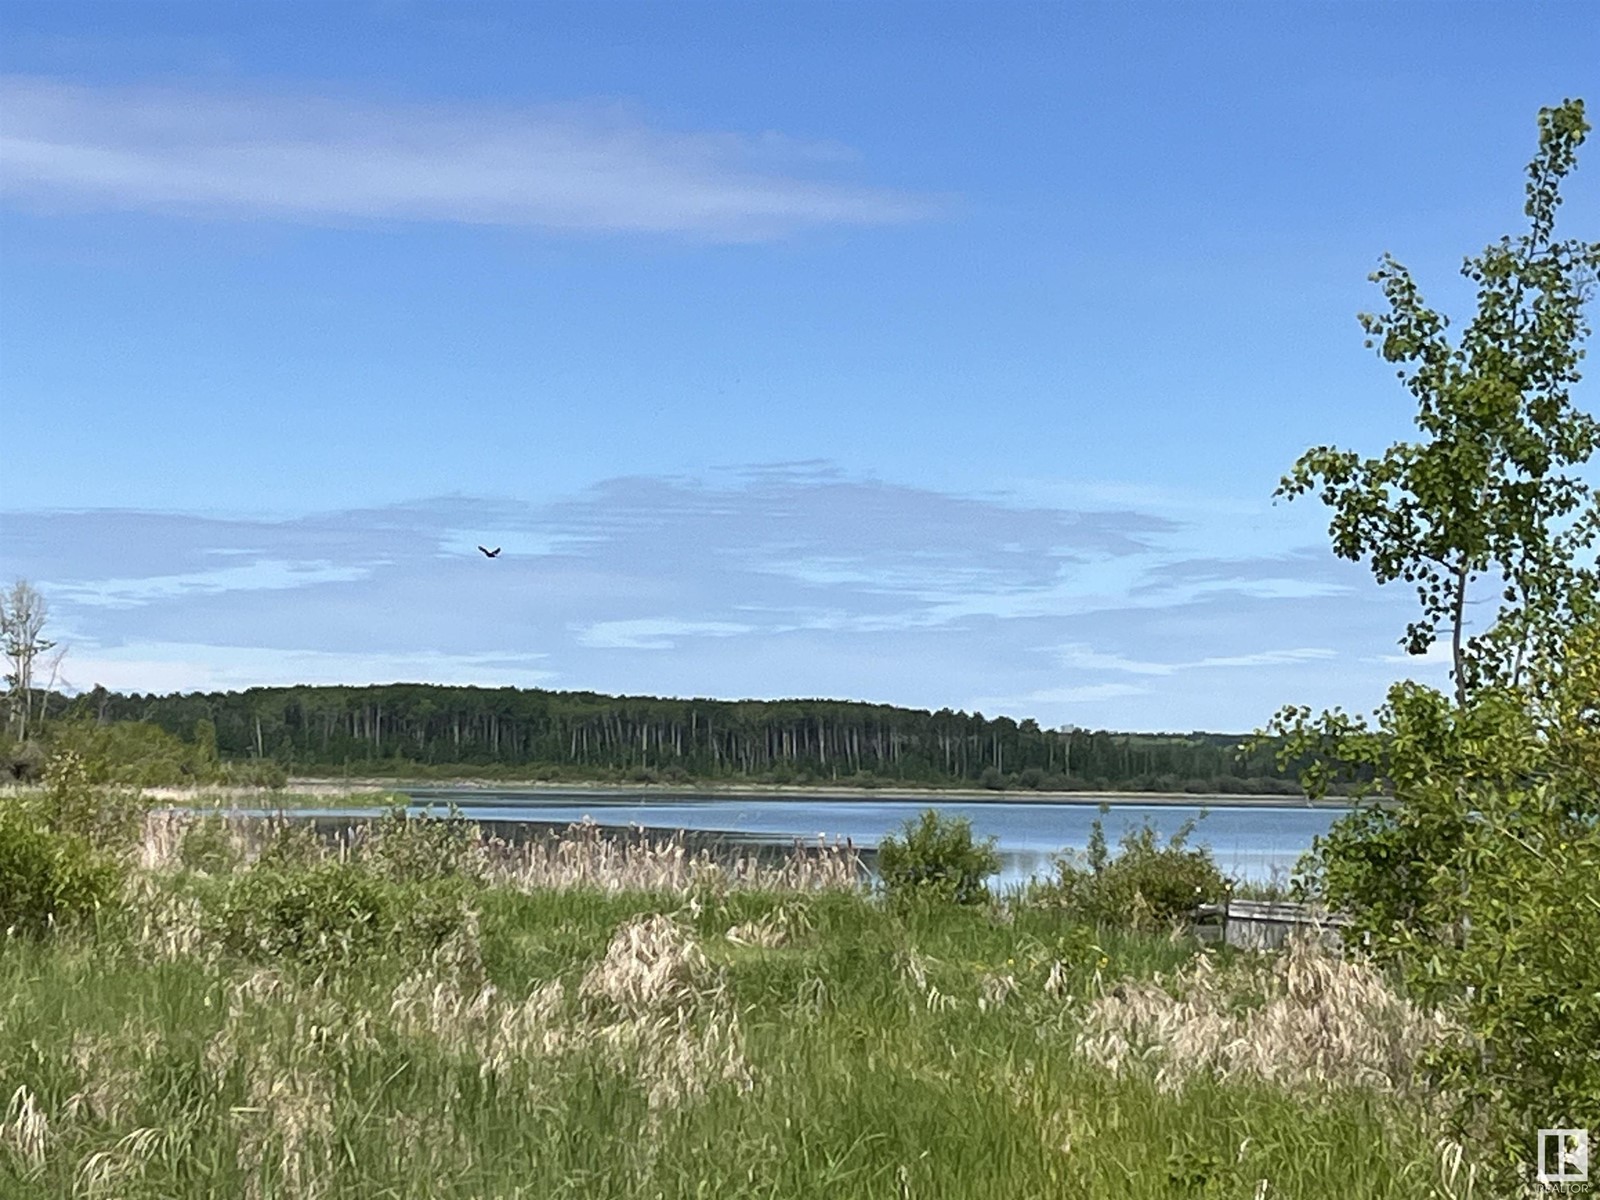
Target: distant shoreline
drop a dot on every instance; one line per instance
(822, 793)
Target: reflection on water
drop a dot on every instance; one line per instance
(1254, 842)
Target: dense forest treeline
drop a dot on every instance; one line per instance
(429, 728)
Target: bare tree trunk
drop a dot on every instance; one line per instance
(49, 688)
(22, 617)
(1458, 615)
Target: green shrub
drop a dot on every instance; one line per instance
(1160, 884)
(108, 818)
(334, 913)
(1474, 879)
(1524, 977)
(1146, 885)
(49, 879)
(935, 858)
(422, 849)
(130, 753)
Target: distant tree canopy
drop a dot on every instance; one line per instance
(398, 727)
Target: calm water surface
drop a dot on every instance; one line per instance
(1255, 842)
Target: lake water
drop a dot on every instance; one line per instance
(1257, 842)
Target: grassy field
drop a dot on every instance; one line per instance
(612, 1021)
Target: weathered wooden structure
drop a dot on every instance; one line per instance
(1266, 924)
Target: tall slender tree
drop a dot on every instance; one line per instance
(23, 613)
(1490, 495)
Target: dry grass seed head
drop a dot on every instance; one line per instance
(1313, 1019)
(250, 1014)
(168, 925)
(106, 1085)
(528, 1030)
(778, 928)
(914, 969)
(285, 1146)
(163, 833)
(675, 1058)
(674, 1038)
(502, 1033)
(160, 840)
(652, 964)
(25, 1130)
(994, 990)
(1458, 1177)
(585, 856)
(108, 1172)
(438, 1006)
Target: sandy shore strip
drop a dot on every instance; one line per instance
(373, 790)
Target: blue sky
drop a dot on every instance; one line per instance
(935, 354)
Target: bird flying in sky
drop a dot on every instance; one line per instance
(488, 553)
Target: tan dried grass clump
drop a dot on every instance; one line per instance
(1055, 984)
(461, 952)
(1458, 1175)
(652, 965)
(286, 1136)
(168, 925)
(244, 1015)
(1310, 1019)
(585, 856)
(109, 1172)
(438, 1006)
(653, 1007)
(913, 969)
(582, 856)
(107, 1081)
(161, 839)
(239, 837)
(781, 926)
(676, 1034)
(994, 989)
(676, 1057)
(25, 1131)
(285, 1141)
(503, 1033)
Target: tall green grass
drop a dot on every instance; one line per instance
(586, 1041)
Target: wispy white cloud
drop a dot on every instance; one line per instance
(1267, 658)
(1085, 658)
(1083, 693)
(1274, 588)
(574, 167)
(263, 575)
(1437, 655)
(189, 666)
(653, 633)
